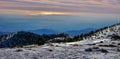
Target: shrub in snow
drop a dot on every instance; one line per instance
(108, 45)
(103, 50)
(50, 50)
(89, 50)
(115, 37)
(75, 45)
(113, 42)
(118, 43)
(118, 49)
(101, 41)
(18, 50)
(95, 47)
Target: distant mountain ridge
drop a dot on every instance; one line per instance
(79, 32)
(43, 31)
(70, 32)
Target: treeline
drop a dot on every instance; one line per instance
(26, 38)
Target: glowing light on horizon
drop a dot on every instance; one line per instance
(44, 13)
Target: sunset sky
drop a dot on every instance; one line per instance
(70, 14)
(71, 7)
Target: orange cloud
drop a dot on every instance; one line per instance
(44, 13)
(32, 12)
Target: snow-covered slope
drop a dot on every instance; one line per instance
(99, 45)
(104, 34)
(59, 52)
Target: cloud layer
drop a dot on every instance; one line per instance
(47, 7)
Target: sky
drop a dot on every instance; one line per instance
(59, 15)
(47, 7)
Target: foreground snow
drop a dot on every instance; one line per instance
(88, 41)
(59, 51)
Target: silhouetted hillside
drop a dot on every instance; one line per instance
(21, 38)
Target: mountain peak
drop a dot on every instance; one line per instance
(106, 32)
